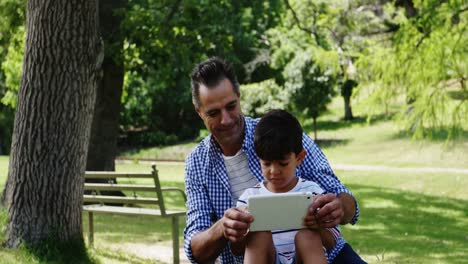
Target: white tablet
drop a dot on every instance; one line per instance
(279, 211)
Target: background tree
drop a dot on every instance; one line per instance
(310, 88)
(165, 39)
(105, 127)
(12, 17)
(52, 126)
(423, 65)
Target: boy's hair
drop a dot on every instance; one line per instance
(277, 134)
(210, 73)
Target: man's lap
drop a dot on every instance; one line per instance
(348, 256)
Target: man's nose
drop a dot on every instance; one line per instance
(225, 117)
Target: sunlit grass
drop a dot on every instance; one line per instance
(405, 218)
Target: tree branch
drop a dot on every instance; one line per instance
(171, 14)
(298, 22)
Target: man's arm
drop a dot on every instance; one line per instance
(207, 245)
(349, 207)
(315, 167)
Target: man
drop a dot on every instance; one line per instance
(224, 164)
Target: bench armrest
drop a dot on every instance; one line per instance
(167, 189)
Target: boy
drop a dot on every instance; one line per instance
(278, 144)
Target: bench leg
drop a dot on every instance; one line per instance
(90, 229)
(175, 239)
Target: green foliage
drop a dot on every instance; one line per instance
(12, 67)
(12, 17)
(311, 87)
(424, 62)
(165, 39)
(259, 98)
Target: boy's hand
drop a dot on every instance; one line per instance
(310, 221)
(325, 211)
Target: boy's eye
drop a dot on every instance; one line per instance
(266, 163)
(284, 164)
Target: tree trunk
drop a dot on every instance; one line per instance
(44, 189)
(315, 128)
(105, 127)
(102, 148)
(347, 108)
(346, 92)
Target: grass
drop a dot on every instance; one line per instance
(406, 217)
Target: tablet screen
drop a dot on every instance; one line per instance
(279, 211)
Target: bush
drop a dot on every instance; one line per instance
(259, 98)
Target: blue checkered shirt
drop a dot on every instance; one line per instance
(209, 193)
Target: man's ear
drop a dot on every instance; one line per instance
(300, 157)
(198, 111)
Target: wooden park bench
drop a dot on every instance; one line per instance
(133, 203)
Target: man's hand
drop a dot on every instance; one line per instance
(233, 226)
(236, 223)
(325, 211)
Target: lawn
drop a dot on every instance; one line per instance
(406, 216)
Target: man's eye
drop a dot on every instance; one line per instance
(231, 107)
(211, 114)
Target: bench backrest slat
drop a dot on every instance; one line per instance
(97, 187)
(120, 199)
(107, 174)
(116, 187)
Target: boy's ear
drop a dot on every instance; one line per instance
(301, 156)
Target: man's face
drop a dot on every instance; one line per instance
(220, 110)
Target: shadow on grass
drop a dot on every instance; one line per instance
(437, 135)
(409, 227)
(326, 143)
(328, 125)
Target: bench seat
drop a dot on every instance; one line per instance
(97, 208)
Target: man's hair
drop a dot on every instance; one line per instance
(210, 73)
(277, 134)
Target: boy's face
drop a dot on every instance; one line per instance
(281, 174)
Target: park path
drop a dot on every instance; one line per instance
(153, 252)
(337, 166)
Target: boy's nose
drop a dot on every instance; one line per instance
(274, 169)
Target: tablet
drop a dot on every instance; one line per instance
(279, 211)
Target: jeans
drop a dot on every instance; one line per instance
(348, 256)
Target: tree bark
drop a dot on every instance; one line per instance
(102, 148)
(315, 128)
(346, 92)
(44, 189)
(348, 112)
(105, 127)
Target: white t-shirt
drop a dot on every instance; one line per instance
(240, 176)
